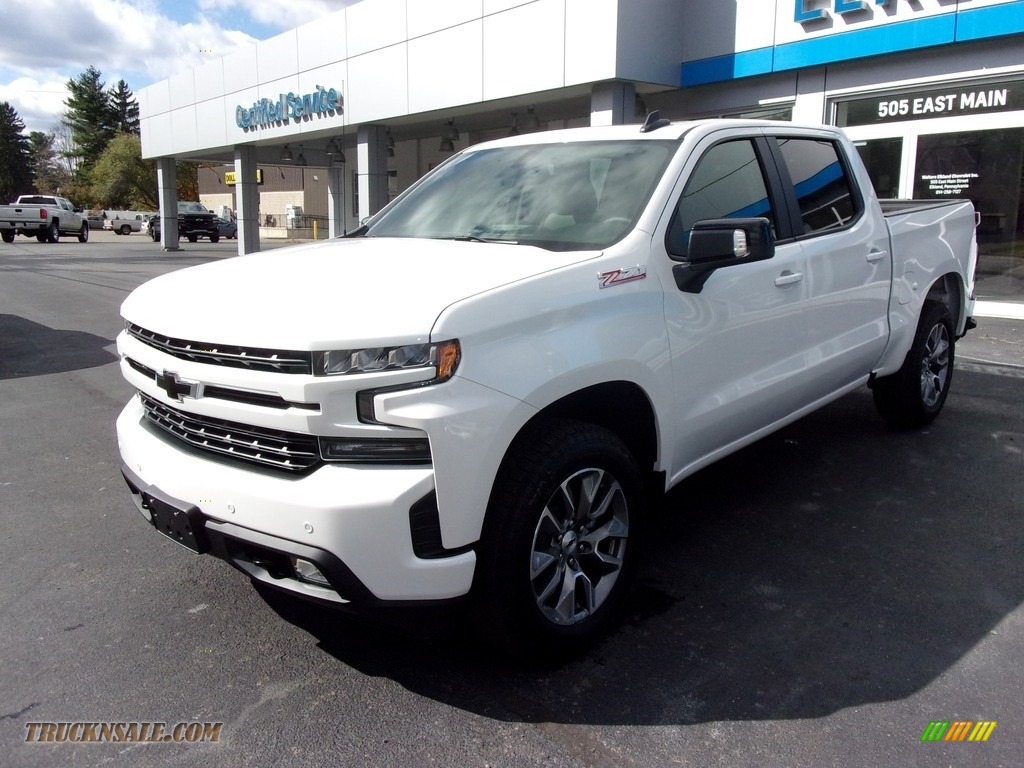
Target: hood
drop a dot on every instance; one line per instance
(336, 293)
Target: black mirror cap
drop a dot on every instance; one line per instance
(716, 243)
(730, 241)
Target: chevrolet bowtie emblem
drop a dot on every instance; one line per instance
(176, 388)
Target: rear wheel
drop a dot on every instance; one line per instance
(41, 236)
(914, 395)
(214, 238)
(7, 235)
(191, 238)
(559, 546)
(126, 229)
(53, 232)
(83, 233)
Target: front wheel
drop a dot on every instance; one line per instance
(83, 233)
(214, 238)
(560, 542)
(914, 395)
(191, 238)
(155, 235)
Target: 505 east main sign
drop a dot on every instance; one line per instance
(290, 106)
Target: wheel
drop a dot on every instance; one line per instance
(126, 229)
(214, 238)
(560, 540)
(41, 236)
(191, 238)
(7, 235)
(83, 233)
(155, 235)
(53, 232)
(914, 395)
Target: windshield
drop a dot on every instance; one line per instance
(575, 196)
(191, 208)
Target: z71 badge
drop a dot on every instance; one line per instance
(620, 276)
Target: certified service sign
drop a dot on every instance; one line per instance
(322, 102)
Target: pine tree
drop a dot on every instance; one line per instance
(124, 109)
(15, 168)
(90, 116)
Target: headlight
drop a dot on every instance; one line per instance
(443, 356)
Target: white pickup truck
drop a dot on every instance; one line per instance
(478, 393)
(45, 217)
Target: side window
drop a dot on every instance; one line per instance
(823, 191)
(727, 183)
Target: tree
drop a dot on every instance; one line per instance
(122, 179)
(188, 181)
(48, 175)
(15, 167)
(124, 109)
(90, 116)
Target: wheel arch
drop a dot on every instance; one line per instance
(621, 407)
(948, 290)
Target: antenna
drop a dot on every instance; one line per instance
(654, 121)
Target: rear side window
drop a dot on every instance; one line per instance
(728, 182)
(823, 190)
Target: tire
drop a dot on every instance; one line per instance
(155, 235)
(83, 233)
(53, 232)
(550, 579)
(7, 235)
(214, 238)
(913, 396)
(41, 236)
(191, 238)
(126, 229)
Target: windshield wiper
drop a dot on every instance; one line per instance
(478, 239)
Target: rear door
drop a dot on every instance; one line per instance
(846, 261)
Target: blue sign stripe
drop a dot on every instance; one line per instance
(945, 29)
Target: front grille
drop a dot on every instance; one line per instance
(264, 447)
(252, 358)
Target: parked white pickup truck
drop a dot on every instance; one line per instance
(126, 222)
(477, 393)
(45, 217)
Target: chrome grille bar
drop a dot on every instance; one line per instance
(254, 445)
(254, 358)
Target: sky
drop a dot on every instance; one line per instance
(48, 42)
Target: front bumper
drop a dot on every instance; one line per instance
(352, 522)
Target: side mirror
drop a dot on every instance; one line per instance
(717, 243)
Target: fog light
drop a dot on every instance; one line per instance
(308, 572)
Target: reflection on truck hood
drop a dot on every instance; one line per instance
(333, 294)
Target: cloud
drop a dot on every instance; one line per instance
(138, 42)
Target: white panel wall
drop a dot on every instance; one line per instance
(240, 70)
(379, 85)
(434, 58)
(425, 18)
(277, 57)
(183, 90)
(183, 128)
(376, 24)
(524, 49)
(209, 80)
(322, 41)
(590, 44)
(211, 130)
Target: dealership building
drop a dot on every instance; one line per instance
(320, 126)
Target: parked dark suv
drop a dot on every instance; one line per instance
(194, 221)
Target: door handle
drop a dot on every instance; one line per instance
(876, 255)
(788, 278)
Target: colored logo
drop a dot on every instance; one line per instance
(959, 730)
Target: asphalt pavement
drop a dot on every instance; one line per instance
(817, 599)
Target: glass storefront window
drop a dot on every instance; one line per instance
(882, 159)
(988, 168)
